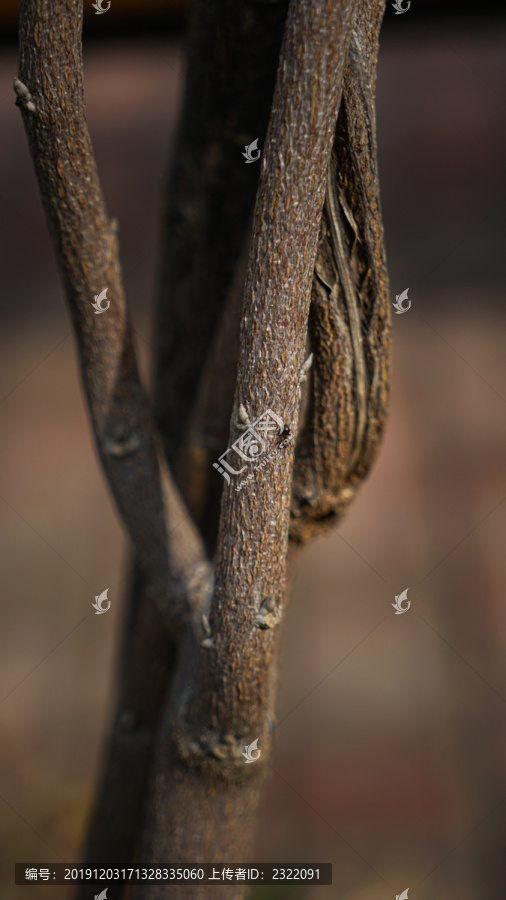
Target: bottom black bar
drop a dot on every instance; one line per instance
(205, 873)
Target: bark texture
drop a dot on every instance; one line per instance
(50, 95)
(198, 668)
(224, 698)
(233, 58)
(345, 400)
(172, 587)
(350, 311)
(209, 207)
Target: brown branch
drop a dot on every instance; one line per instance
(350, 311)
(51, 97)
(147, 661)
(223, 686)
(253, 534)
(172, 572)
(209, 424)
(223, 696)
(209, 206)
(346, 399)
(211, 192)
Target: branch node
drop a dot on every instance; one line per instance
(24, 98)
(305, 368)
(243, 420)
(209, 748)
(122, 446)
(268, 615)
(208, 641)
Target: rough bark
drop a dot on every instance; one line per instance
(174, 588)
(209, 207)
(223, 697)
(50, 95)
(350, 312)
(346, 397)
(147, 659)
(233, 58)
(209, 659)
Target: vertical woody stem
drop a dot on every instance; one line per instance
(223, 696)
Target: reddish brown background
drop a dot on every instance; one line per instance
(389, 759)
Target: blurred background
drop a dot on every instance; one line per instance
(390, 754)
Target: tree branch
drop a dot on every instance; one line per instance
(254, 524)
(350, 318)
(222, 692)
(209, 201)
(346, 399)
(51, 97)
(223, 695)
(211, 192)
(148, 657)
(208, 427)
